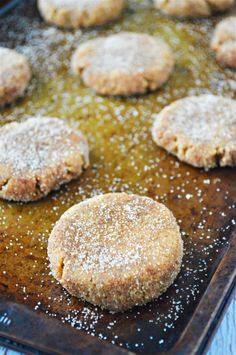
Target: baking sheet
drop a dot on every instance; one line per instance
(123, 158)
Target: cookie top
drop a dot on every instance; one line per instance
(14, 75)
(199, 130)
(224, 42)
(193, 8)
(37, 156)
(80, 13)
(126, 63)
(116, 250)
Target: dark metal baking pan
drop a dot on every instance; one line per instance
(35, 311)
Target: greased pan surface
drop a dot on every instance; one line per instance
(123, 158)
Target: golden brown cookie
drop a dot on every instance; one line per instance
(199, 130)
(126, 63)
(224, 42)
(14, 75)
(80, 13)
(38, 156)
(116, 250)
(193, 8)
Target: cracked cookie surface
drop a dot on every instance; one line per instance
(14, 75)
(199, 130)
(116, 250)
(124, 64)
(80, 13)
(193, 8)
(38, 156)
(224, 42)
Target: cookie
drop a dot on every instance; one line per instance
(38, 156)
(124, 64)
(224, 42)
(193, 8)
(14, 75)
(116, 250)
(199, 130)
(79, 13)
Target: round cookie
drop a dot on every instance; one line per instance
(116, 250)
(199, 130)
(126, 63)
(37, 156)
(193, 8)
(224, 42)
(79, 13)
(14, 75)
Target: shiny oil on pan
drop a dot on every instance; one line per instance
(123, 158)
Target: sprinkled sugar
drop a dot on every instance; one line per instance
(123, 158)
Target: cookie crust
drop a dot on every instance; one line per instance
(14, 75)
(199, 130)
(38, 156)
(223, 42)
(79, 13)
(124, 64)
(116, 250)
(193, 8)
